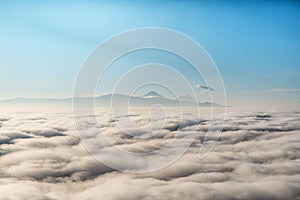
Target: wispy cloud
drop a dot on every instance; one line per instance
(274, 90)
(198, 86)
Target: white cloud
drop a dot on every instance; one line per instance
(257, 157)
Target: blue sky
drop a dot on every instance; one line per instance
(256, 45)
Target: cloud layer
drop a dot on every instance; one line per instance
(257, 157)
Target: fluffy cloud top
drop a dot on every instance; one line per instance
(257, 157)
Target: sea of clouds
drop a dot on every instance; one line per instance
(256, 157)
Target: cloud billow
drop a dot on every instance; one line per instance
(257, 157)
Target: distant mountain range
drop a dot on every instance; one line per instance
(118, 100)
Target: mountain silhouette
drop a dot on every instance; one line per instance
(152, 94)
(120, 100)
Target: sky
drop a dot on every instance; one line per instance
(255, 45)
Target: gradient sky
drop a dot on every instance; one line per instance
(256, 45)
